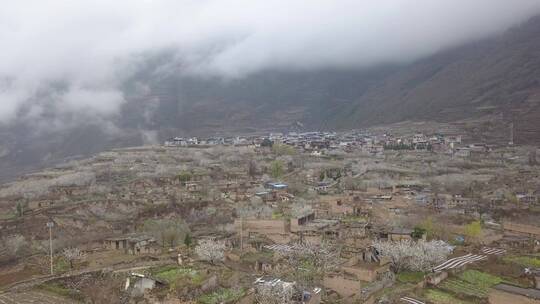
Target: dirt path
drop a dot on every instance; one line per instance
(31, 283)
(32, 297)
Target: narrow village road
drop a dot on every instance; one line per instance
(30, 283)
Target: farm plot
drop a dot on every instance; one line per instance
(458, 286)
(441, 297)
(471, 283)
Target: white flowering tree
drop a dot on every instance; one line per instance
(210, 250)
(308, 263)
(31, 189)
(280, 293)
(413, 255)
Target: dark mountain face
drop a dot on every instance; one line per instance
(268, 100)
(499, 76)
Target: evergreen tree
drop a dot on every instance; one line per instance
(188, 241)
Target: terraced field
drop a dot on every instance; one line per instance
(32, 297)
(458, 286)
(471, 283)
(442, 297)
(525, 261)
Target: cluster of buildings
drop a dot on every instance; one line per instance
(346, 220)
(320, 142)
(339, 219)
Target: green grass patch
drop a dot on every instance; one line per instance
(441, 297)
(480, 279)
(278, 215)
(472, 283)
(354, 219)
(62, 291)
(461, 287)
(410, 277)
(519, 282)
(397, 290)
(61, 265)
(174, 274)
(7, 216)
(222, 296)
(252, 257)
(526, 261)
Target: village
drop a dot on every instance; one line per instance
(320, 142)
(297, 217)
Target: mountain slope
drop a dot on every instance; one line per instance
(499, 77)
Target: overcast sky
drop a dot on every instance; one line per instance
(87, 48)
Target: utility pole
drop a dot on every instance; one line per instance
(50, 225)
(511, 143)
(241, 234)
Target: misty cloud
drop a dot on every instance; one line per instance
(73, 56)
(100, 101)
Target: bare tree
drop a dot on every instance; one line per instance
(252, 169)
(72, 254)
(308, 263)
(34, 188)
(13, 246)
(82, 178)
(255, 208)
(274, 293)
(167, 231)
(300, 208)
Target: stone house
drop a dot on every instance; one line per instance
(299, 296)
(521, 242)
(142, 185)
(521, 229)
(346, 286)
(192, 187)
(398, 234)
(337, 205)
(434, 279)
(353, 233)
(527, 199)
(307, 228)
(43, 202)
(323, 187)
(267, 196)
(138, 284)
(457, 201)
(277, 187)
(298, 222)
(261, 261)
(132, 244)
(66, 192)
(276, 230)
(365, 271)
(462, 152)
